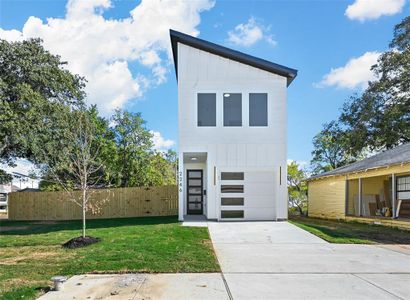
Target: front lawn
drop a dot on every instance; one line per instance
(341, 232)
(31, 252)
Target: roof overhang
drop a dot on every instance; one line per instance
(324, 176)
(179, 37)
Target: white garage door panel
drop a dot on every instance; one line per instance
(259, 194)
(265, 213)
(259, 201)
(263, 176)
(258, 188)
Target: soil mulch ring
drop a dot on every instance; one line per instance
(80, 242)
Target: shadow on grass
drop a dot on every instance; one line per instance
(38, 227)
(338, 231)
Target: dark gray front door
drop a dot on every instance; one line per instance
(195, 199)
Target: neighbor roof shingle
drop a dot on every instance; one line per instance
(400, 154)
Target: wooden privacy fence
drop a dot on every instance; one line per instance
(117, 203)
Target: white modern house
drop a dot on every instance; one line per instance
(232, 132)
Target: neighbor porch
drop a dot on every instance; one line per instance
(382, 199)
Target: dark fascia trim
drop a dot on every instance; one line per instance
(179, 37)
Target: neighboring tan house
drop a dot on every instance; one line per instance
(232, 132)
(374, 190)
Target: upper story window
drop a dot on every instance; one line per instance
(206, 109)
(258, 109)
(232, 109)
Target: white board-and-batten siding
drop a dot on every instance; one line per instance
(244, 148)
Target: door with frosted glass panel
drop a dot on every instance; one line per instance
(195, 192)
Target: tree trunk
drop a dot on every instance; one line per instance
(300, 210)
(84, 212)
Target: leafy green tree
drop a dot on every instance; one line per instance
(172, 158)
(134, 149)
(380, 117)
(103, 144)
(297, 188)
(35, 92)
(162, 170)
(5, 177)
(330, 149)
(377, 119)
(125, 150)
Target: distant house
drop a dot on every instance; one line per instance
(232, 132)
(375, 190)
(5, 189)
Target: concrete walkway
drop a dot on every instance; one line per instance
(265, 260)
(142, 286)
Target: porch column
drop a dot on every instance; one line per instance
(393, 196)
(180, 186)
(346, 196)
(360, 198)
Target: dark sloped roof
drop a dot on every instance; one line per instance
(400, 154)
(179, 37)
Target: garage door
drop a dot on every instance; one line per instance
(247, 195)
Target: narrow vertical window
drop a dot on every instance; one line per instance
(232, 109)
(258, 109)
(206, 109)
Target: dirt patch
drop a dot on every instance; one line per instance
(22, 257)
(80, 242)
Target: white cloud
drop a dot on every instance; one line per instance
(373, 9)
(160, 143)
(356, 73)
(11, 35)
(248, 34)
(106, 50)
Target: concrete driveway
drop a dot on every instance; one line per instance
(266, 260)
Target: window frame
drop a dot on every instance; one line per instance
(197, 108)
(267, 108)
(240, 106)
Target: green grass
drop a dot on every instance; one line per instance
(31, 252)
(342, 232)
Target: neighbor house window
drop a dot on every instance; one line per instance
(258, 109)
(232, 109)
(206, 109)
(403, 188)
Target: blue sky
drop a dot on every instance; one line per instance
(125, 56)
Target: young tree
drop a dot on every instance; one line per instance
(297, 188)
(76, 165)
